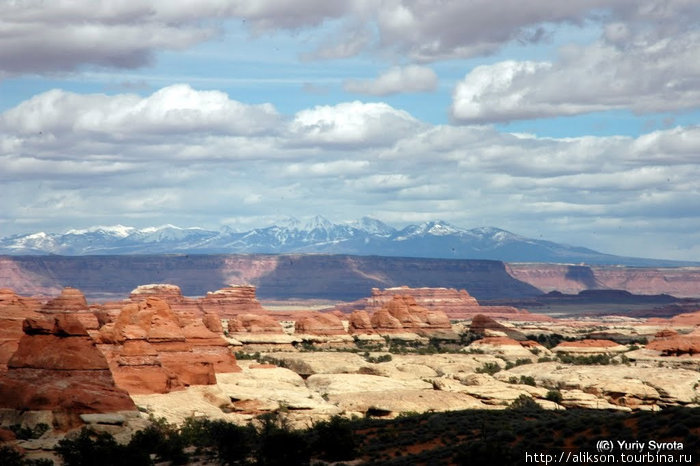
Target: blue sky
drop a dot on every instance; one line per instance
(573, 122)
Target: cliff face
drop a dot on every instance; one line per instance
(571, 279)
(275, 277)
(342, 278)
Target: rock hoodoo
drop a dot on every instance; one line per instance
(72, 301)
(58, 366)
(231, 301)
(152, 350)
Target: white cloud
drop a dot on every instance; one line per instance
(170, 110)
(351, 124)
(65, 35)
(62, 35)
(647, 64)
(72, 160)
(411, 78)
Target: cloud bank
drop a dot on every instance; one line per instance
(195, 157)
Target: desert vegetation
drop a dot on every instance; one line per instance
(459, 437)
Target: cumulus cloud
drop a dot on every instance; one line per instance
(411, 78)
(646, 63)
(586, 79)
(74, 160)
(40, 37)
(351, 124)
(170, 110)
(62, 35)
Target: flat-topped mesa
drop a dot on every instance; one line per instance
(456, 304)
(443, 297)
(13, 310)
(231, 301)
(57, 366)
(169, 293)
(72, 301)
(152, 350)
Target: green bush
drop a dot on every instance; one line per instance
(555, 396)
(334, 440)
(90, 448)
(488, 368)
(524, 403)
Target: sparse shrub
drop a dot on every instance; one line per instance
(524, 403)
(488, 368)
(26, 433)
(555, 396)
(527, 380)
(91, 448)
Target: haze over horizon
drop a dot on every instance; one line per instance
(574, 122)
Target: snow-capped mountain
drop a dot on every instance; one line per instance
(366, 236)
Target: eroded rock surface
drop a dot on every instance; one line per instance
(58, 366)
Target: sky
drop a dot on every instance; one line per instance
(575, 121)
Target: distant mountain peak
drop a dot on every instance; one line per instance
(116, 230)
(373, 226)
(366, 236)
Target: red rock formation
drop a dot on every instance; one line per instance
(213, 322)
(152, 350)
(456, 304)
(383, 322)
(252, 323)
(58, 366)
(168, 293)
(486, 326)
(13, 310)
(402, 315)
(72, 301)
(360, 323)
(231, 301)
(586, 343)
(317, 323)
(184, 308)
(677, 344)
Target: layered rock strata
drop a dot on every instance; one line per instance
(402, 315)
(13, 310)
(151, 350)
(58, 367)
(456, 304)
(231, 301)
(72, 301)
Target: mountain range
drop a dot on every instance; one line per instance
(367, 236)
